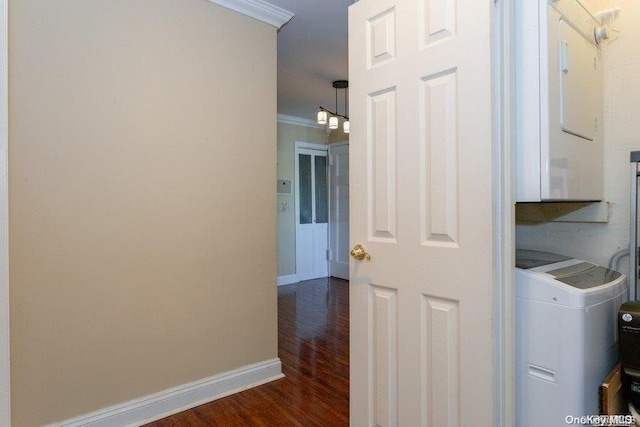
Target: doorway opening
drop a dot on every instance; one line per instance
(312, 211)
(322, 210)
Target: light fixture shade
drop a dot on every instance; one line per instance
(345, 126)
(322, 117)
(333, 122)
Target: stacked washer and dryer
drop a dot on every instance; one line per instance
(566, 309)
(566, 339)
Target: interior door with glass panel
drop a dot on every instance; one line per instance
(312, 214)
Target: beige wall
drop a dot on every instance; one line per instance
(142, 215)
(597, 242)
(288, 135)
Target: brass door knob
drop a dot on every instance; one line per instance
(359, 253)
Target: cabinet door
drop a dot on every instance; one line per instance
(578, 88)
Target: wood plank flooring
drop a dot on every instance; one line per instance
(313, 345)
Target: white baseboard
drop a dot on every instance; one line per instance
(287, 280)
(313, 275)
(160, 405)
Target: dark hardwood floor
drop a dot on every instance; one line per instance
(313, 345)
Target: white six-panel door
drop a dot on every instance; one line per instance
(421, 205)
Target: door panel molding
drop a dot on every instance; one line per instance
(439, 166)
(381, 154)
(440, 362)
(381, 38)
(438, 20)
(383, 307)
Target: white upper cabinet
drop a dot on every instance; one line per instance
(558, 106)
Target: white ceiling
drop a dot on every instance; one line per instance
(312, 53)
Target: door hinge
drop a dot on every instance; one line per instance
(331, 160)
(328, 254)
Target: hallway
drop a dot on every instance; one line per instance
(313, 345)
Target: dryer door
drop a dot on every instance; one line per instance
(578, 88)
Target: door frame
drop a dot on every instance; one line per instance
(504, 236)
(331, 193)
(5, 383)
(299, 145)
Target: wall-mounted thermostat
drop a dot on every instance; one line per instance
(284, 186)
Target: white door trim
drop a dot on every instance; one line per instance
(299, 145)
(311, 146)
(5, 384)
(338, 144)
(504, 206)
(332, 190)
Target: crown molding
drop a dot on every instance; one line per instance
(258, 9)
(299, 121)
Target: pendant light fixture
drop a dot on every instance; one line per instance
(333, 118)
(322, 117)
